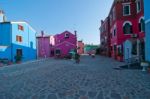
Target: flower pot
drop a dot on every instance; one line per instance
(120, 58)
(144, 65)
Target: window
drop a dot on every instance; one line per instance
(19, 38)
(20, 27)
(110, 19)
(57, 51)
(115, 48)
(114, 14)
(66, 35)
(126, 10)
(138, 6)
(19, 52)
(134, 48)
(114, 32)
(142, 25)
(127, 28)
(120, 50)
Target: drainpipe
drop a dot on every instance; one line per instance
(11, 45)
(75, 32)
(138, 54)
(36, 42)
(43, 50)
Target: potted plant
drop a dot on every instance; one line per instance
(120, 56)
(145, 65)
(18, 58)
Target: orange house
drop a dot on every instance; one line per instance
(80, 47)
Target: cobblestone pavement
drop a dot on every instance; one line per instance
(63, 79)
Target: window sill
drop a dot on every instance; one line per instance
(126, 14)
(139, 11)
(128, 34)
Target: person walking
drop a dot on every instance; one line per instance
(77, 58)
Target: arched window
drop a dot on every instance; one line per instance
(127, 28)
(142, 25)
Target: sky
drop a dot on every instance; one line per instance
(56, 16)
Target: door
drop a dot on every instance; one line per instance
(19, 52)
(115, 51)
(142, 50)
(127, 50)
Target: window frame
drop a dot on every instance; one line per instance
(19, 39)
(137, 6)
(131, 27)
(20, 27)
(67, 35)
(125, 5)
(141, 27)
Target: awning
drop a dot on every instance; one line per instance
(3, 48)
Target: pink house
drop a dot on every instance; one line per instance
(64, 43)
(45, 45)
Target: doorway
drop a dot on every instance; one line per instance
(19, 52)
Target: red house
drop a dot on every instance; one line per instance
(105, 37)
(126, 29)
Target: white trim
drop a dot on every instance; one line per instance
(115, 28)
(127, 22)
(126, 3)
(128, 34)
(141, 18)
(138, 6)
(22, 22)
(129, 9)
(66, 35)
(147, 21)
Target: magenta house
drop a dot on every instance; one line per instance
(58, 45)
(64, 43)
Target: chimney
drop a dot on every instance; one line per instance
(2, 16)
(42, 33)
(75, 32)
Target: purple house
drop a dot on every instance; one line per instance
(64, 43)
(45, 45)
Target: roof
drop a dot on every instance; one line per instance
(19, 22)
(65, 32)
(22, 22)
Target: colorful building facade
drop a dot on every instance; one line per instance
(127, 30)
(105, 37)
(80, 47)
(90, 49)
(147, 28)
(64, 43)
(57, 45)
(45, 44)
(17, 38)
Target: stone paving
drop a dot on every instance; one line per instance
(63, 79)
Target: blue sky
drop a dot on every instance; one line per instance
(56, 16)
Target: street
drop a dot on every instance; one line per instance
(93, 78)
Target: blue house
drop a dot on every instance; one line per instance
(147, 28)
(17, 38)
